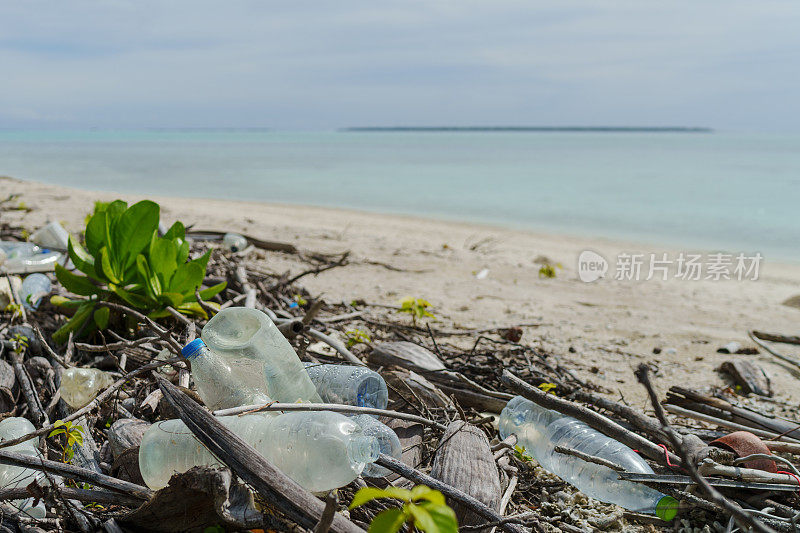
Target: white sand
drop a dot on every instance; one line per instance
(612, 325)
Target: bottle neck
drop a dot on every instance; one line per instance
(363, 449)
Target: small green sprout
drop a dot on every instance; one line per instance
(549, 271)
(423, 508)
(416, 307)
(547, 387)
(74, 435)
(300, 300)
(521, 454)
(356, 336)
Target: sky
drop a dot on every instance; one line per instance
(726, 64)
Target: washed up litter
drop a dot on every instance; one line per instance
(34, 288)
(17, 476)
(234, 242)
(319, 450)
(349, 385)
(540, 430)
(79, 386)
(25, 257)
(52, 236)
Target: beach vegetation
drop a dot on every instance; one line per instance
(73, 434)
(356, 336)
(416, 307)
(422, 508)
(124, 260)
(548, 270)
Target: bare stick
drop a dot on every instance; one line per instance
(81, 495)
(589, 458)
(75, 472)
(114, 345)
(161, 332)
(754, 335)
(326, 407)
(336, 345)
(744, 520)
(57, 358)
(674, 409)
(324, 524)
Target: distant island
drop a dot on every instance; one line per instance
(602, 129)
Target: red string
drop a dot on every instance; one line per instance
(666, 455)
(791, 474)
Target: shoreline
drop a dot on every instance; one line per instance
(602, 330)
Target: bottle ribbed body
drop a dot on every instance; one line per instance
(79, 386)
(18, 476)
(319, 450)
(349, 385)
(259, 354)
(219, 385)
(34, 288)
(540, 430)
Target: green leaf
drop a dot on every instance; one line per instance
(75, 284)
(202, 260)
(177, 230)
(443, 518)
(136, 300)
(82, 314)
(173, 299)
(367, 494)
(57, 431)
(107, 265)
(423, 492)
(207, 294)
(151, 283)
(80, 257)
(101, 315)
(65, 303)
(95, 236)
(195, 309)
(187, 278)
(388, 521)
(183, 252)
(134, 229)
(162, 259)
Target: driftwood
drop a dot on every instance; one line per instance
(775, 337)
(126, 433)
(198, 499)
(465, 462)
(402, 382)
(8, 388)
(406, 355)
(749, 376)
(279, 490)
(476, 400)
(411, 435)
(271, 246)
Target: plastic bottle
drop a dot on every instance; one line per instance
(19, 476)
(53, 235)
(319, 450)
(23, 257)
(34, 287)
(539, 430)
(387, 439)
(349, 385)
(259, 354)
(217, 384)
(234, 242)
(79, 386)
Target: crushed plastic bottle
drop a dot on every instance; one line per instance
(319, 450)
(53, 236)
(79, 386)
(259, 354)
(234, 242)
(18, 476)
(387, 439)
(24, 257)
(540, 430)
(349, 385)
(34, 288)
(217, 383)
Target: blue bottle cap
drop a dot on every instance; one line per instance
(193, 348)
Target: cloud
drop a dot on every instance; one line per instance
(330, 64)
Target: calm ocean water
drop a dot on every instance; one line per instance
(709, 191)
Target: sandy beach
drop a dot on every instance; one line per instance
(601, 329)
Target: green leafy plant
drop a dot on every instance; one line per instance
(521, 454)
(20, 343)
(73, 435)
(124, 260)
(416, 307)
(547, 387)
(423, 508)
(549, 271)
(356, 336)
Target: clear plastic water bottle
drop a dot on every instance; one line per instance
(34, 288)
(349, 385)
(217, 383)
(259, 354)
(18, 476)
(24, 257)
(53, 235)
(79, 386)
(234, 242)
(319, 450)
(540, 430)
(387, 439)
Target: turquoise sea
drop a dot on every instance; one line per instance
(714, 191)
